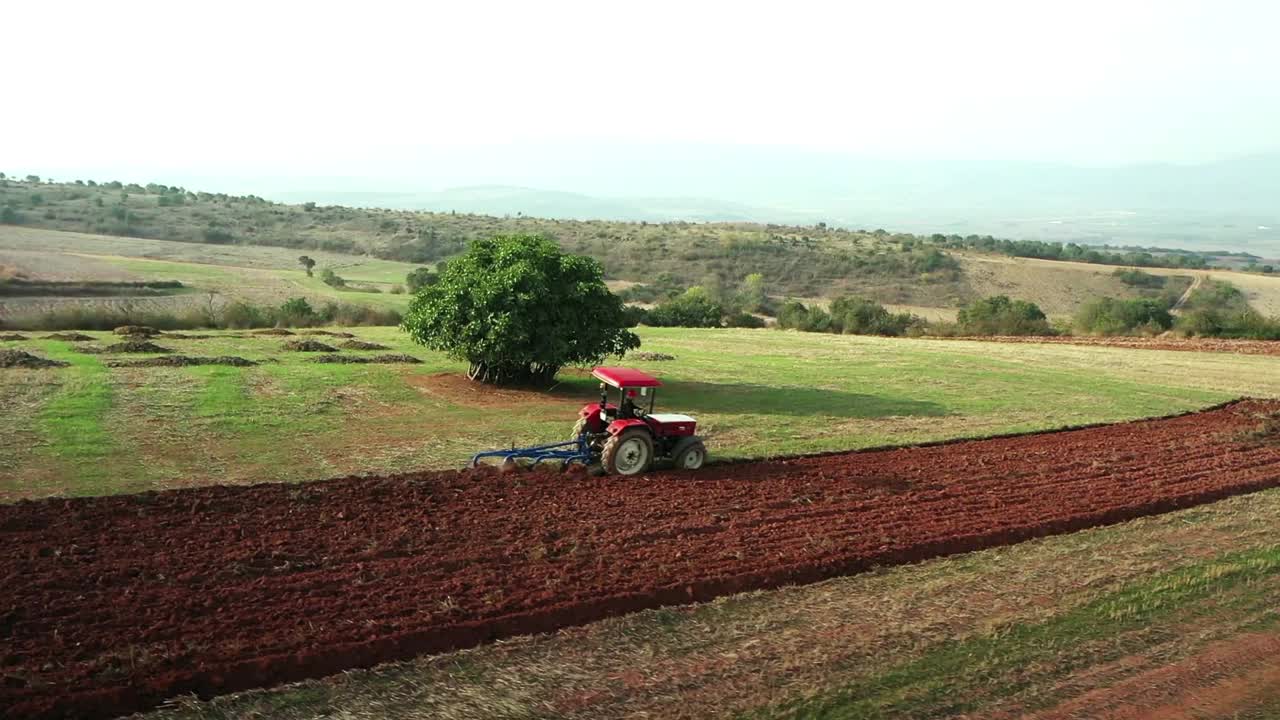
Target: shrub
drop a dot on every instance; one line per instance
(1109, 316)
(1134, 277)
(860, 316)
(518, 309)
(297, 311)
(332, 279)
(419, 278)
(742, 319)
(795, 316)
(1000, 315)
(692, 309)
(217, 235)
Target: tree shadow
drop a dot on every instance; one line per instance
(801, 401)
(707, 397)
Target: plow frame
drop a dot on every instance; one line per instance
(566, 453)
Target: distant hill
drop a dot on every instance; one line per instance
(1230, 203)
(800, 260)
(507, 200)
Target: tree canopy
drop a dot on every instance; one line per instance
(517, 309)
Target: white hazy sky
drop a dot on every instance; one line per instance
(100, 88)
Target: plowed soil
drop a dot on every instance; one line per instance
(110, 605)
(1242, 347)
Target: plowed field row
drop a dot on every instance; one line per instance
(110, 605)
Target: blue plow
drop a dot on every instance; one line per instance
(566, 453)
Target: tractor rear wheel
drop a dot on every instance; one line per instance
(628, 453)
(689, 454)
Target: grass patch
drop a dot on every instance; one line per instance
(962, 677)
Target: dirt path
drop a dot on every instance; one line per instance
(1195, 284)
(113, 604)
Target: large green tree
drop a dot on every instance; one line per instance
(517, 310)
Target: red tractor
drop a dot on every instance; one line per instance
(624, 438)
(629, 435)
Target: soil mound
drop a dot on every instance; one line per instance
(651, 356)
(180, 336)
(362, 345)
(273, 331)
(183, 361)
(388, 358)
(68, 336)
(20, 359)
(327, 332)
(135, 346)
(308, 346)
(136, 331)
(12, 337)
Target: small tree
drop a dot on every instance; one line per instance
(307, 263)
(332, 279)
(518, 309)
(752, 294)
(694, 308)
(419, 278)
(999, 315)
(297, 311)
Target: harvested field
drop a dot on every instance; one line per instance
(216, 589)
(362, 345)
(308, 346)
(1243, 347)
(182, 361)
(20, 359)
(388, 358)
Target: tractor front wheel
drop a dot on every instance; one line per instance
(628, 453)
(689, 454)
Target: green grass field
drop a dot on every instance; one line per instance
(88, 429)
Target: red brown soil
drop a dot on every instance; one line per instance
(1242, 347)
(110, 605)
(1217, 682)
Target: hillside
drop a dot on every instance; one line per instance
(247, 247)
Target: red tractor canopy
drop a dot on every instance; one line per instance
(621, 377)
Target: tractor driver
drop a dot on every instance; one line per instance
(628, 408)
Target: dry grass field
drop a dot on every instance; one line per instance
(1059, 288)
(267, 275)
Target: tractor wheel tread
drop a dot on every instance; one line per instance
(608, 457)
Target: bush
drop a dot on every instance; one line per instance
(795, 316)
(999, 315)
(1134, 277)
(217, 235)
(332, 279)
(860, 316)
(1108, 316)
(518, 309)
(692, 309)
(296, 312)
(419, 278)
(742, 319)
